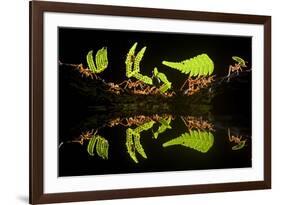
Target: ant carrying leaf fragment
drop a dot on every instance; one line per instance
(237, 67)
(237, 140)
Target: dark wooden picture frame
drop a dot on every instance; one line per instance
(37, 9)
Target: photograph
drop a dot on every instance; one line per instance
(129, 102)
(141, 101)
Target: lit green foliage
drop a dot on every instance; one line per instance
(143, 78)
(133, 65)
(99, 144)
(101, 60)
(201, 141)
(133, 140)
(138, 59)
(201, 65)
(165, 124)
(239, 61)
(130, 61)
(163, 78)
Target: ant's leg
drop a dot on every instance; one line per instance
(126, 82)
(229, 70)
(229, 136)
(183, 84)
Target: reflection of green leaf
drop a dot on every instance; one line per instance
(102, 148)
(138, 146)
(201, 141)
(130, 145)
(240, 145)
(98, 144)
(200, 65)
(165, 124)
(144, 126)
(133, 143)
(91, 145)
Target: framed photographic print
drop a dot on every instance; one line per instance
(137, 102)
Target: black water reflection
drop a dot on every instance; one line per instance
(155, 143)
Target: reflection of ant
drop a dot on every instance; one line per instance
(197, 123)
(85, 136)
(236, 139)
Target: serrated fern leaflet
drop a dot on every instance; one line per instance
(133, 65)
(200, 65)
(133, 143)
(201, 141)
(165, 124)
(163, 78)
(101, 60)
(100, 145)
(239, 61)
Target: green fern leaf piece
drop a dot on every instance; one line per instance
(201, 69)
(198, 140)
(130, 60)
(133, 65)
(138, 146)
(91, 145)
(162, 77)
(101, 60)
(138, 59)
(102, 147)
(181, 66)
(200, 65)
(195, 70)
(133, 140)
(239, 60)
(164, 88)
(90, 61)
(99, 147)
(143, 78)
(186, 64)
(130, 145)
(206, 67)
(165, 124)
(145, 126)
(240, 145)
(98, 144)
